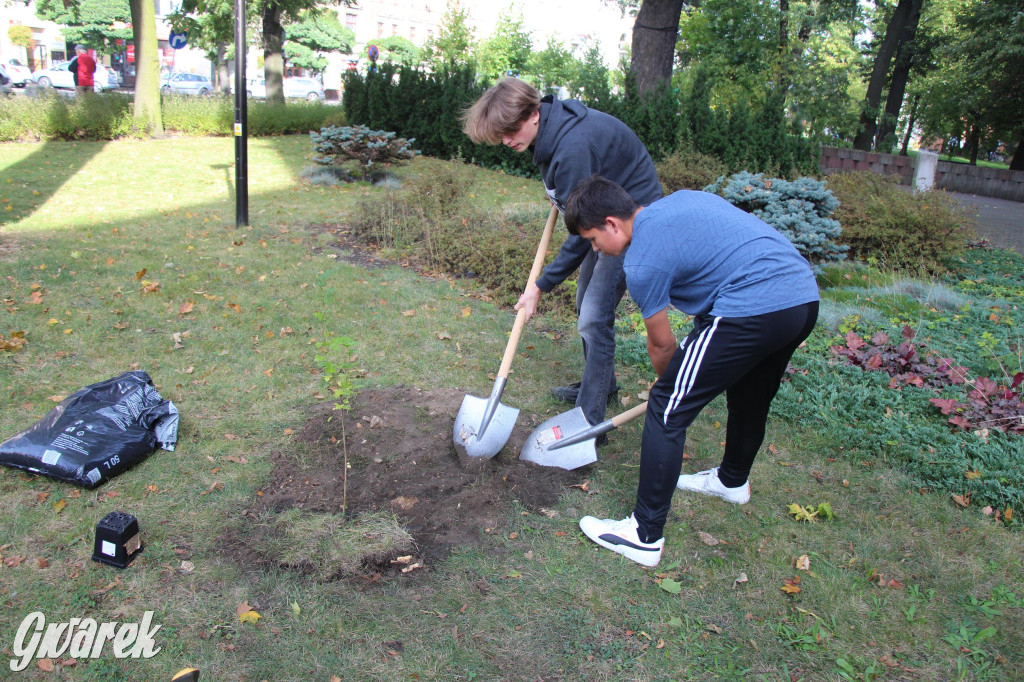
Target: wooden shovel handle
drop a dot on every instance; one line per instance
(538, 264)
(620, 419)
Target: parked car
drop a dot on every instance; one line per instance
(303, 88)
(294, 88)
(59, 76)
(186, 84)
(17, 73)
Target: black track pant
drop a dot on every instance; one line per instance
(744, 356)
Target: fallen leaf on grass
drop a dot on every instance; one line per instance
(708, 539)
(45, 664)
(107, 588)
(803, 563)
(246, 614)
(741, 578)
(187, 567)
(671, 586)
(216, 485)
(235, 458)
(791, 585)
(962, 500)
(59, 506)
(711, 627)
(249, 617)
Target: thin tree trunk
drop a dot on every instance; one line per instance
(869, 113)
(654, 43)
(898, 82)
(910, 124)
(273, 53)
(972, 143)
(147, 115)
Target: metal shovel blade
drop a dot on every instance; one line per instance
(482, 427)
(557, 442)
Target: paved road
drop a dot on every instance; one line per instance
(1000, 221)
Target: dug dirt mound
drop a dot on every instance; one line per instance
(401, 458)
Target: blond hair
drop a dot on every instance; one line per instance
(500, 111)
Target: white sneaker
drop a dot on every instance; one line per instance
(621, 537)
(708, 483)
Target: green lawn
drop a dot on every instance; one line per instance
(902, 584)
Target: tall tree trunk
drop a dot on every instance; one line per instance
(910, 125)
(973, 139)
(147, 116)
(898, 82)
(222, 81)
(273, 53)
(654, 43)
(869, 112)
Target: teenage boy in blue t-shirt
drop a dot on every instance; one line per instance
(754, 300)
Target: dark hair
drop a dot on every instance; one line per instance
(593, 200)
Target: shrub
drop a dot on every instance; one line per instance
(432, 221)
(340, 146)
(50, 116)
(107, 116)
(686, 168)
(901, 229)
(799, 209)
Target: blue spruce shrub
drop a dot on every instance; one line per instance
(799, 209)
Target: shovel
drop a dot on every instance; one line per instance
(482, 427)
(567, 440)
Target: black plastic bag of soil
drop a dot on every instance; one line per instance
(97, 432)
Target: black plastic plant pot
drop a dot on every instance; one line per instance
(117, 540)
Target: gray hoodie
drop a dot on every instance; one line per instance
(574, 142)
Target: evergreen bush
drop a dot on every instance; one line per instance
(341, 146)
(799, 209)
(903, 230)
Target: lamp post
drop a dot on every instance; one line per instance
(241, 122)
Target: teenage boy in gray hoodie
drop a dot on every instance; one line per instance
(570, 142)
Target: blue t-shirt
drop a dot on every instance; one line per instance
(701, 254)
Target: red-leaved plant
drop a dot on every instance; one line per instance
(988, 405)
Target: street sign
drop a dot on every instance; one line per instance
(178, 40)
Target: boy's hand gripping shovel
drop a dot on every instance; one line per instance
(482, 427)
(567, 440)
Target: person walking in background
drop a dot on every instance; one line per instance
(570, 142)
(754, 300)
(82, 68)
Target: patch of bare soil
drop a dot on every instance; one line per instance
(402, 458)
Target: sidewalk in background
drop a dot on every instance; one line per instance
(998, 220)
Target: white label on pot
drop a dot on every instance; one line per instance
(108, 548)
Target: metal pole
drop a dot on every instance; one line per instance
(241, 122)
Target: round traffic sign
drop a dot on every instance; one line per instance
(178, 40)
